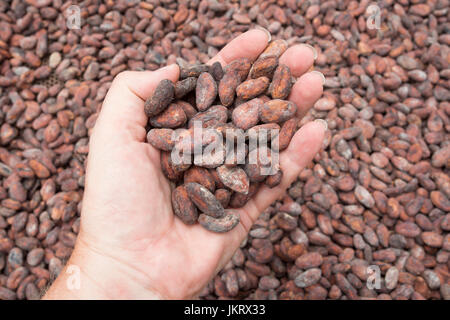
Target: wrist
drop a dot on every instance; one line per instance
(89, 275)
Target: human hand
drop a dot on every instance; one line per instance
(130, 245)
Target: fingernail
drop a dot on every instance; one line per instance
(269, 36)
(321, 75)
(312, 49)
(170, 66)
(173, 67)
(323, 123)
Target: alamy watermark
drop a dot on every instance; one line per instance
(374, 277)
(73, 17)
(73, 282)
(374, 19)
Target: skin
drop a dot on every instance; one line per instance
(130, 245)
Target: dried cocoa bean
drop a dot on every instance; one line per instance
(205, 91)
(183, 206)
(204, 200)
(185, 86)
(172, 117)
(227, 87)
(161, 98)
(161, 139)
(246, 115)
(277, 111)
(264, 67)
(281, 84)
(252, 88)
(228, 222)
(234, 178)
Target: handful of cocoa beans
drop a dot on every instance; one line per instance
(220, 131)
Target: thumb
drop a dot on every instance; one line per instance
(122, 118)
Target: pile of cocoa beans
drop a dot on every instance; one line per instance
(375, 200)
(226, 176)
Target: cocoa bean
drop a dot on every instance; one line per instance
(172, 117)
(161, 98)
(204, 200)
(228, 222)
(185, 86)
(183, 206)
(193, 71)
(281, 84)
(227, 87)
(252, 88)
(264, 67)
(277, 111)
(205, 91)
(161, 139)
(234, 178)
(246, 115)
(240, 66)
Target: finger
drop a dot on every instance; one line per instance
(306, 91)
(248, 45)
(302, 149)
(299, 59)
(122, 112)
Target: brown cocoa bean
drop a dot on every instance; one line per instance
(227, 87)
(172, 117)
(228, 222)
(212, 116)
(167, 168)
(201, 176)
(287, 131)
(183, 206)
(264, 67)
(275, 48)
(204, 200)
(252, 88)
(246, 115)
(234, 178)
(281, 84)
(205, 91)
(216, 71)
(223, 196)
(193, 71)
(277, 111)
(185, 86)
(161, 98)
(240, 66)
(161, 139)
(238, 200)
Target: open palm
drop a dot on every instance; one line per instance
(128, 226)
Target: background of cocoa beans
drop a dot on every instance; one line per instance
(377, 195)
